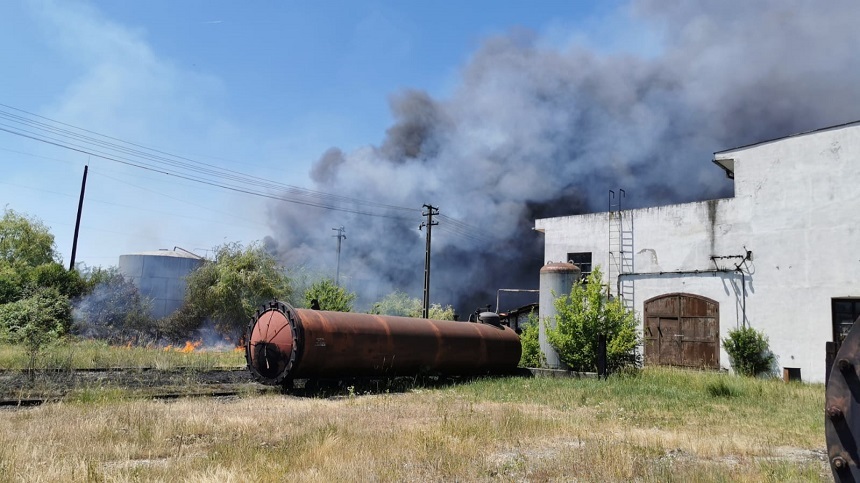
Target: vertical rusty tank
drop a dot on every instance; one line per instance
(286, 343)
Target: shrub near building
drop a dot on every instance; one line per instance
(585, 313)
(749, 352)
(531, 355)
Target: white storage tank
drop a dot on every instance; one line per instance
(160, 276)
(556, 279)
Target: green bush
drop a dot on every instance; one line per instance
(585, 313)
(44, 316)
(329, 296)
(68, 282)
(721, 388)
(11, 284)
(531, 355)
(400, 304)
(25, 241)
(749, 352)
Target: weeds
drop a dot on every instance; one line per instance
(88, 354)
(721, 389)
(662, 425)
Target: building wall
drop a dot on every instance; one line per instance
(795, 208)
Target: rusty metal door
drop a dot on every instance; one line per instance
(682, 330)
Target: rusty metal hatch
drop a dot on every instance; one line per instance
(682, 330)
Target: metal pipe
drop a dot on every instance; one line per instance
(713, 271)
(679, 272)
(286, 343)
(517, 290)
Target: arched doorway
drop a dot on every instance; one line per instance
(682, 329)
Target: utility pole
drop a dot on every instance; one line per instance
(431, 212)
(341, 235)
(78, 221)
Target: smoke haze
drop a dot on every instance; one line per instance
(535, 130)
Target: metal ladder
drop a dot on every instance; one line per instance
(620, 249)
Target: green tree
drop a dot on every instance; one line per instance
(531, 355)
(12, 283)
(29, 260)
(585, 313)
(749, 351)
(52, 274)
(228, 289)
(25, 241)
(400, 304)
(36, 321)
(438, 312)
(34, 287)
(329, 296)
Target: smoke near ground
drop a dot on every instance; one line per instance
(535, 130)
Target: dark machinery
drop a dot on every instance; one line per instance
(286, 343)
(842, 409)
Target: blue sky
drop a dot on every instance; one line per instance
(262, 90)
(497, 112)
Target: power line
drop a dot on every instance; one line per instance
(67, 136)
(248, 191)
(165, 158)
(192, 171)
(463, 230)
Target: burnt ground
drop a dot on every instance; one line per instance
(23, 387)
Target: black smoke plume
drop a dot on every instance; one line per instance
(537, 131)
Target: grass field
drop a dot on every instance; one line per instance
(662, 425)
(89, 354)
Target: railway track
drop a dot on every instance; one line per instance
(31, 388)
(20, 388)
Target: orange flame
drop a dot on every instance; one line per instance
(239, 349)
(190, 346)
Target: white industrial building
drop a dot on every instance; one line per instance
(782, 255)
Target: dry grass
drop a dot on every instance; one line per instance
(661, 426)
(87, 354)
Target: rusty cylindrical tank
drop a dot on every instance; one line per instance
(286, 343)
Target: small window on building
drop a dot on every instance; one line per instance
(581, 260)
(845, 312)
